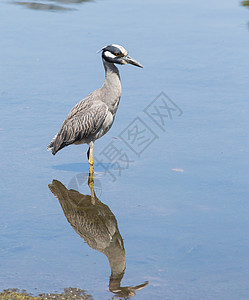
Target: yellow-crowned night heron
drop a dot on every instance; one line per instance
(93, 116)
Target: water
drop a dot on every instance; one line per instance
(181, 200)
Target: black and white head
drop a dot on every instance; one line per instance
(118, 55)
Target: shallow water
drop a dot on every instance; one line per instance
(179, 193)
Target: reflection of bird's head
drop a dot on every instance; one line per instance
(126, 291)
(118, 55)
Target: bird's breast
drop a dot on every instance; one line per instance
(113, 106)
(107, 124)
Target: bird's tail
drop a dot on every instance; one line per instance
(50, 146)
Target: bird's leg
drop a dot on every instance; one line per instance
(90, 157)
(90, 154)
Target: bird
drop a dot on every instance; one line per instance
(93, 116)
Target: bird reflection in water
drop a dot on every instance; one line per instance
(97, 225)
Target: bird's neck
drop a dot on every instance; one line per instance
(115, 253)
(112, 86)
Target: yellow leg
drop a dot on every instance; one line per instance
(90, 157)
(91, 170)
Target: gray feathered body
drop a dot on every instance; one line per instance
(95, 223)
(93, 116)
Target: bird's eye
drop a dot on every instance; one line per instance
(119, 54)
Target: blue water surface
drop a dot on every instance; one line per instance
(181, 198)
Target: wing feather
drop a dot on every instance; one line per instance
(83, 121)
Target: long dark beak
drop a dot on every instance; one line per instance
(132, 61)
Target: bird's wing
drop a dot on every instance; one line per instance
(83, 105)
(84, 120)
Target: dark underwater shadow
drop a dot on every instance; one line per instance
(42, 6)
(244, 3)
(83, 167)
(55, 6)
(71, 1)
(72, 167)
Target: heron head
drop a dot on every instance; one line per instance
(118, 55)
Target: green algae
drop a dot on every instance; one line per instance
(68, 294)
